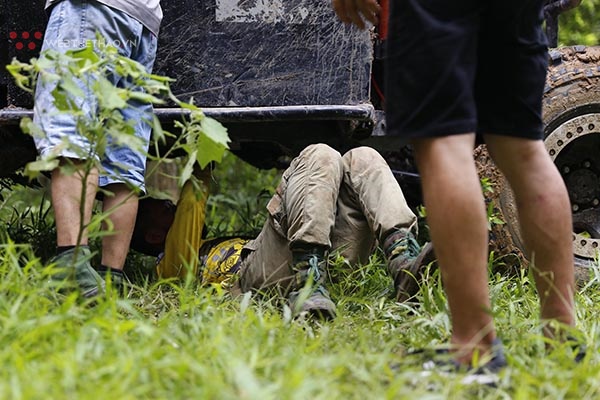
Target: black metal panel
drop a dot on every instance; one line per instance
(279, 74)
(231, 52)
(257, 53)
(22, 28)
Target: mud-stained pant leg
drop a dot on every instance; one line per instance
(370, 205)
(302, 212)
(267, 261)
(310, 194)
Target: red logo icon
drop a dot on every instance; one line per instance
(28, 39)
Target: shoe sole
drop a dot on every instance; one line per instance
(491, 380)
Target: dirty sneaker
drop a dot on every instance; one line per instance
(73, 269)
(406, 262)
(317, 304)
(310, 296)
(485, 374)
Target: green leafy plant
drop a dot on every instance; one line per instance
(579, 25)
(239, 195)
(493, 215)
(32, 225)
(84, 73)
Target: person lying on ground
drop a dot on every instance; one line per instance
(324, 202)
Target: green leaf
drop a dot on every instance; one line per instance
(109, 96)
(496, 221)
(209, 150)
(190, 106)
(84, 55)
(127, 140)
(33, 168)
(46, 61)
(160, 78)
(28, 127)
(158, 134)
(61, 100)
(69, 85)
(215, 131)
(145, 97)
(21, 80)
(188, 169)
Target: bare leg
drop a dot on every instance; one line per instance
(123, 209)
(545, 219)
(457, 220)
(72, 216)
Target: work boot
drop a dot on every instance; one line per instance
(309, 295)
(73, 268)
(406, 261)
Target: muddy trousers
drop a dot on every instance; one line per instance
(343, 203)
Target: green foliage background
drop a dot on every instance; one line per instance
(580, 25)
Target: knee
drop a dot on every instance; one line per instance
(361, 158)
(322, 154)
(320, 150)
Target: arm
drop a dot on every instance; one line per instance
(357, 11)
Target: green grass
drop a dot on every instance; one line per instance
(177, 341)
(169, 340)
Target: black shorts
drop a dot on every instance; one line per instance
(465, 66)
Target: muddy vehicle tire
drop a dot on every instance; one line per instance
(572, 137)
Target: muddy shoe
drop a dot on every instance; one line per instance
(73, 270)
(309, 295)
(407, 281)
(486, 373)
(317, 304)
(406, 262)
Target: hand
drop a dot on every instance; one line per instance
(357, 11)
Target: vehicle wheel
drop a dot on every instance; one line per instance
(572, 137)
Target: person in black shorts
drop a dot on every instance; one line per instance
(457, 69)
